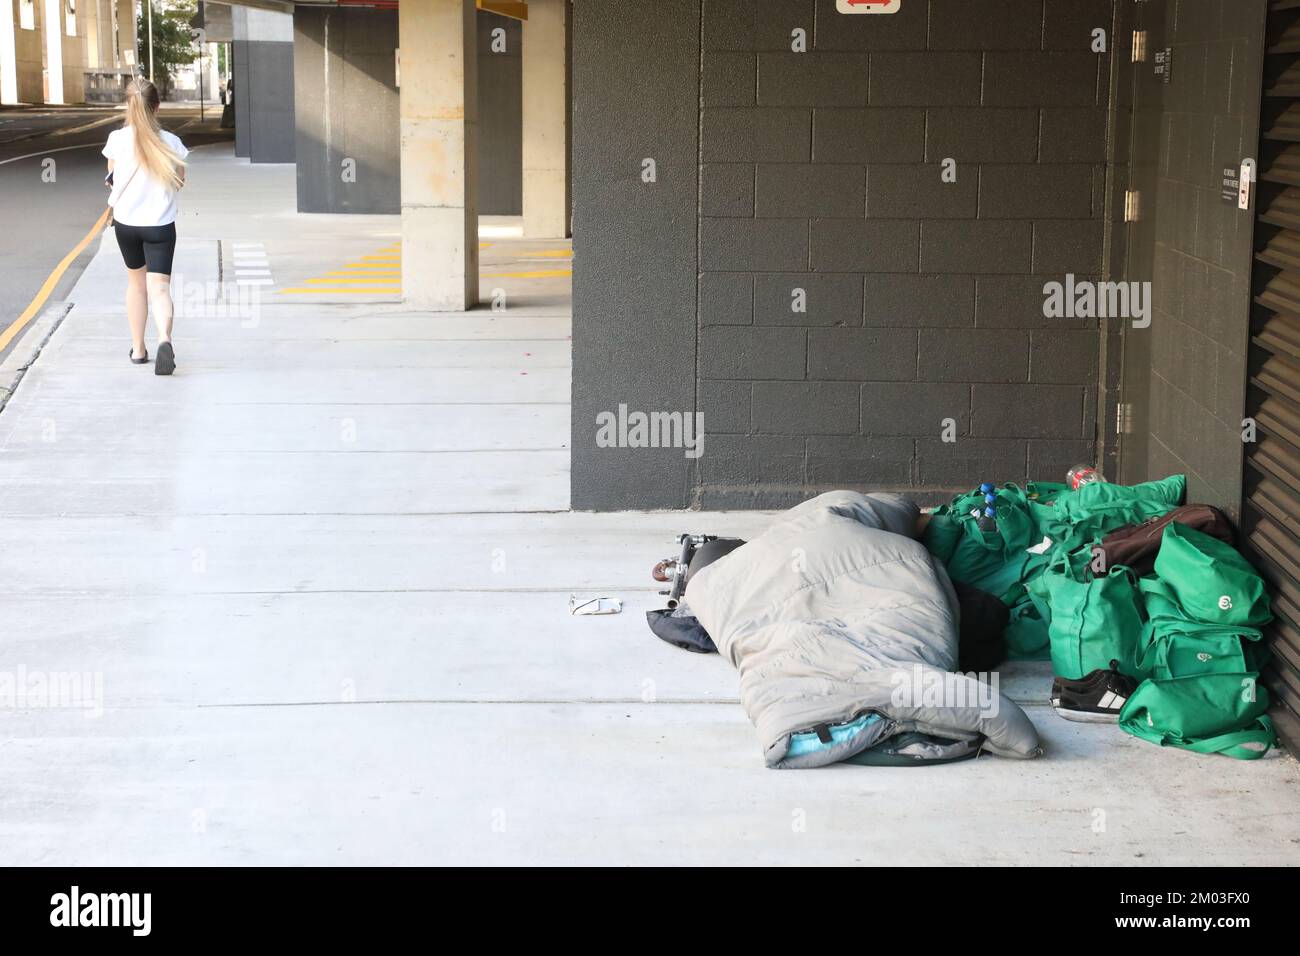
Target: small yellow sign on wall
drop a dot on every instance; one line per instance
(868, 6)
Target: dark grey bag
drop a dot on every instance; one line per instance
(681, 629)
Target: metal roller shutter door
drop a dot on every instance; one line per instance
(1271, 509)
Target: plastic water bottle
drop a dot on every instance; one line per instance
(1081, 475)
(989, 520)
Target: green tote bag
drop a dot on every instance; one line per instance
(1093, 620)
(1204, 713)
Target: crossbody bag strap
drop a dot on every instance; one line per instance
(111, 217)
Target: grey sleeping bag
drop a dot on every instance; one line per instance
(844, 631)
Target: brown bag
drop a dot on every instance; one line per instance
(1135, 545)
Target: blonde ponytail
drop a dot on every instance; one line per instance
(154, 156)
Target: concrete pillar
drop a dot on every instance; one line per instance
(8, 53)
(213, 80)
(53, 27)
(438, 103)
(126, 39)
(546, 114)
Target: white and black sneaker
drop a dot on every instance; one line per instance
(1094, 698)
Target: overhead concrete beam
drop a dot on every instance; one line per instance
(438, 105)
(275, 6)
(545, 118)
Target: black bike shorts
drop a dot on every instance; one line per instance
(154, 246)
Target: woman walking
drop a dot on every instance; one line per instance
(146, 170)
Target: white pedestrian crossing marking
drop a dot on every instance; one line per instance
(252, 265)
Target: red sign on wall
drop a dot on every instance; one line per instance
(868, 6)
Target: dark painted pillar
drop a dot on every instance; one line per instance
(347, 131)
(636, 89)
(263, 61)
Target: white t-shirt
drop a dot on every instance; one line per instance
(137, 198)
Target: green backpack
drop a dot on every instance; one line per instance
(1175, 645)
(1204, 713)
(1210, 580)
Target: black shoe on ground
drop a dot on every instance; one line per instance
(1094, 698)
(165, 363)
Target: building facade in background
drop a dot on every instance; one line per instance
(66, 51)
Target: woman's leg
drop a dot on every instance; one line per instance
(159, 249)
(160, 301)
(137, 309)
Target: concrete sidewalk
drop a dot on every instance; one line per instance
(322, 574)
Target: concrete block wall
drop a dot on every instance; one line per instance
(821, 171)
(1202, 246)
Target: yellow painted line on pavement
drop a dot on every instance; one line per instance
(380, 272)
(50, 283)
(551, 253)
(358, 280)
(114, 117)
(326, 290)
(537, 274)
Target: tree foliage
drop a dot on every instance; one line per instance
(173, 44)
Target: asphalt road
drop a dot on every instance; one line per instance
(43, 217)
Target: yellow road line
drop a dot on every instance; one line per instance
(550, 253)
(538, 274)
(367, 272)
(359, 280)
(377, 259)
(326, 290)
(51, 281)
